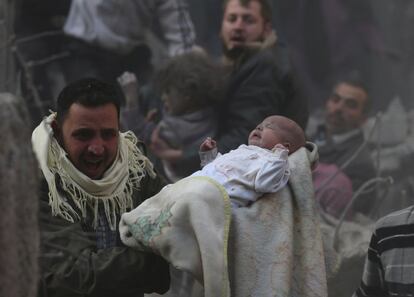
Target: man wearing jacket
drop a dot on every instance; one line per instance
(94, 173)
(261, 80)
(341, 143)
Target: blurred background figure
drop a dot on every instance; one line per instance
(112, 36)
(191, 86)
(19, 234)
(99, 39)
(342, 146)
(261, 81)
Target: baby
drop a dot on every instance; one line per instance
(257, 168)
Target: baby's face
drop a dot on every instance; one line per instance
(265, 135)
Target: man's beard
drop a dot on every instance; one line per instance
(233, 53)
(240, 50)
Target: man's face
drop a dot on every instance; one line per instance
(242, 25)
(266, 135)
(345, 108)
(89, 136)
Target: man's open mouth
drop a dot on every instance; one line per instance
(237, 39)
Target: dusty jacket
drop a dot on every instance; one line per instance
(360, 170)
(261, 84)
(72, 265)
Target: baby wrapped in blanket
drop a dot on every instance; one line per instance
(188, 222)
(273, 247)
(257, 168)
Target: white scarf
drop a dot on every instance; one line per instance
(114, 190)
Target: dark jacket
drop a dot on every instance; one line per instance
(72, 265)
(261, 84)
(359, 170)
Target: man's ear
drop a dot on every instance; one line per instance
(267, 29)
(57, 132)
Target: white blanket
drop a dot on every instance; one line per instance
(274, 246)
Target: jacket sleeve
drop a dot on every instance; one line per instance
(372, 283)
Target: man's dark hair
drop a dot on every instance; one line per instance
(89, 92)
(265, 11)
(353, 78)
(199, 81)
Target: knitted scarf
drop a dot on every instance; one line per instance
(114, 190)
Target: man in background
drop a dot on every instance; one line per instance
(342, 151)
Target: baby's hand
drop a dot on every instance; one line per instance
(281, 150)
(129, 85)
(280, 146)
(208, 145)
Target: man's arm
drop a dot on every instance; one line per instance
(176, 25)
(372, 284)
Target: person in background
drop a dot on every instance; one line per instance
(108, 37)
(261, 79)
(191, 87)
(342, 153)
(388, 269)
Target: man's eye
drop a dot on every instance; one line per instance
(351, 104)
(249, 19)
(108, 134)
(83, 134)
(334, 98)
(231, 18)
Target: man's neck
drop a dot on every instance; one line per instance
(339, 138)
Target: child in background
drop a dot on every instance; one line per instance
(190, 86)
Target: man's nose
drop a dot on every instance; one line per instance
(338, 106)
(238, 24)
(96, 148)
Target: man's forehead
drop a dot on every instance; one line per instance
(349, 92)
(233, 4)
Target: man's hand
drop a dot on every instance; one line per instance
(208, 145)
(162, 150)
